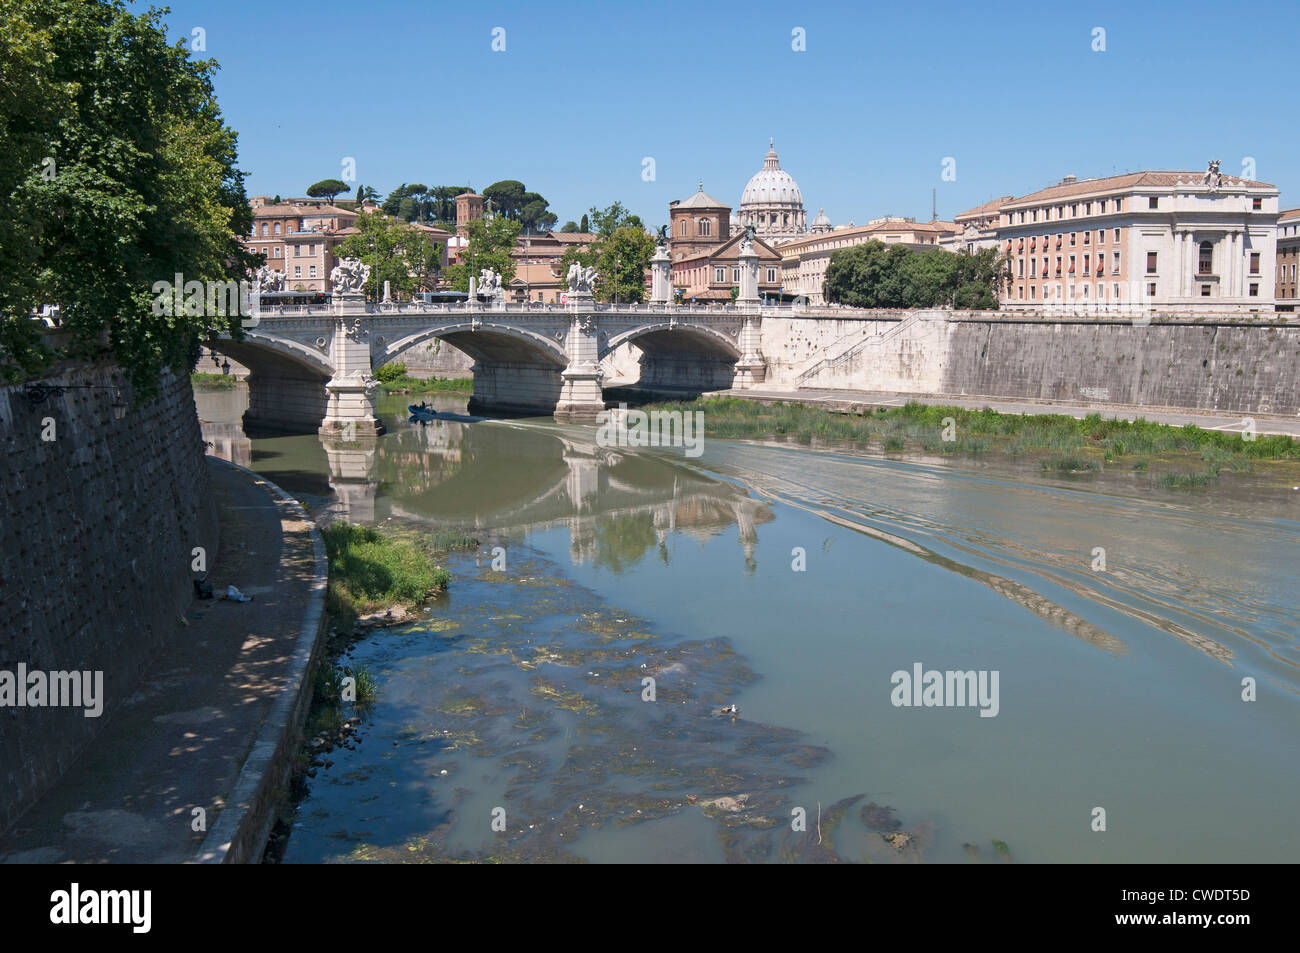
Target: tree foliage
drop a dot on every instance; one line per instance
(877, 275)
(620, 253)
(327, 188)
(118, 173)
(489, 243)
(398, 253)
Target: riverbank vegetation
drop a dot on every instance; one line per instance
(215, 381)
(394, 380)
(1063, 444)
(370, 571)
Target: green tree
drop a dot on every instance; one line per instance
(507, 197)
(398, 253)
(326, 188)
(876, 275)
(118, 173)
(584, 226)
(365, 194)
(569, 226)
(620, 253)
(489, 243)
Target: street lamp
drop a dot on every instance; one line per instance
(225, 366)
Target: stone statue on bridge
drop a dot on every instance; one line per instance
(349, 276)
(268, 280)
(489, 284)
(582, 279)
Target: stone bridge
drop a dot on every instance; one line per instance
(312, 367)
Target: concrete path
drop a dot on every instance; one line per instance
(181, 739)
(843, 399)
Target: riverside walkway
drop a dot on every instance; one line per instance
(212, 720)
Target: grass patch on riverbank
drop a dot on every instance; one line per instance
(214, 381)
(1066, 444)
(428, 385)
(371, 571)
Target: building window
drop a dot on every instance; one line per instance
(1205, 291)
(1033, 292)
(719, 275)
(1087, 210)
(1151, 263)
(704, 226)
(264, 250)
(311, 271)
(735, 275)
(1115, 263)
(297, 251)
(1153, 201)
(1087, 238)
(1074, 210)
(1101, 236)
(1254, 290)
(1119, 205)
(297, 271)
(1072, 236)
(1257, 204)
(277, 251)
(276, 229)
(1114, 292)
(1206, 265)
(264, 229)
(1117, 236)
(311, 251)
(1102, 209)
(1020, 268)
(683, 229)
(771, 275)
(1033, 268)
(1254, 263)
(1151, 289)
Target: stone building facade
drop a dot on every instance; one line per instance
(1288, 259)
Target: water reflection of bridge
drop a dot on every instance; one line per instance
(499, 476)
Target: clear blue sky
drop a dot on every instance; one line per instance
(863, 118)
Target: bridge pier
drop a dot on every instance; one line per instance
(350, 393)
(580, 395)
(751, 368)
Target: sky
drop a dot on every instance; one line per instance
(884, 103)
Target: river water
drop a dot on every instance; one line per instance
(512, 720)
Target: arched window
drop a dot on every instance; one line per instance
(785, 219)
(704, 226)
(683, 228)
(1206, 266)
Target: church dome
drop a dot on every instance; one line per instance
(821, 223)
(772, 202)
(771, 185)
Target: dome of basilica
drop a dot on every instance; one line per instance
(772, 202)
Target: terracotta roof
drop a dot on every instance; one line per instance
(1125, 183)
(581, 238)
(730, 249)
(988, 207)
(702, 200)
(1290, 215)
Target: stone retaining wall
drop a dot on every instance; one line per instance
(100, 520)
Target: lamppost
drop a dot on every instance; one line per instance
(225, 367)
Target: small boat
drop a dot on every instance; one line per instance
(422, 411)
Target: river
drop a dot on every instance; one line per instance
(794, 583)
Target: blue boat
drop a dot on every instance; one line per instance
(422, 412)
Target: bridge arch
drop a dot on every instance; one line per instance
(486, 342)
(286, 382)
(679, 355)
(515, 368)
